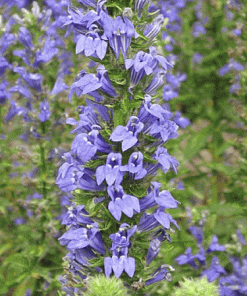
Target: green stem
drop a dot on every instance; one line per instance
(43, 163)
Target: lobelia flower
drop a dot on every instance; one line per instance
(165, 160)
(187, 258)
(76, 216)
(215, 270)
(91, 44)
(169, 93)
(180, 120)
(45, 113)
(4, 94)
(111, 172)
(119, 261)
(73, 175)
(198, 30)
(4, 65)
(25, 38)
(156, 82)
(59, 86)
(85, 146)
(154, 245)
(145, 64)
(14, 110)
(22, 89)
(159, 275)
(200, 256)
(80, 21)
(47, 52)
(135, 166)
(121, 202)
(127, 134)
(139, 5)
(197, 233)
(163, 130)
(119, 32)
(81, 237)
(153, 29)
(158, 218)
(106, 86)
(214, 246)
(33, 79)
(235, 283)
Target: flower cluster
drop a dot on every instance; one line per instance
(118, 146)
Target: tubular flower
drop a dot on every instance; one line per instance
(119, 261)
(127, 134)
(121, 202)
(119, 32)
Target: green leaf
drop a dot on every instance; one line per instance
(226, 210)
(196, 143)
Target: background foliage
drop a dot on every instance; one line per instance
(203, 37)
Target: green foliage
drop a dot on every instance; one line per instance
(196, 287)
(103, 286)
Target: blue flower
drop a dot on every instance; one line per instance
(169, 93)
(91, 44)
(119, 32)
(156, 82)
(139, 5)
(33, 79)
(180, 120)
(197, 233)
(187, 258)
(4, 65)
(127, 134)
(25, 38)
(111, 171)
(76, 216)
(59, 86)
(145, 64)
(235, 283)
(119, 261)
(159, 275)
(165, 160)
(154, 245)
(153, 29)
(198, 29)
(121, 202)
(83, 237)
(73, 175)
(4, 94)
(135, 166)
(214, 246)
(163, 130)
(46, 53)
(215, 270)
(45, 113)
(85, 146)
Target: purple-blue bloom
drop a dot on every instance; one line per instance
(135, 166)
(187, 258)
(91, 44)
(121, 202)
(119, 32)
(45, 113)
(119, 261)
(111, 172)
(165, 160)
(159, 275)
(153, 29)
(215, 270)
(214, 246)
(127, 134)
(80, 238)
